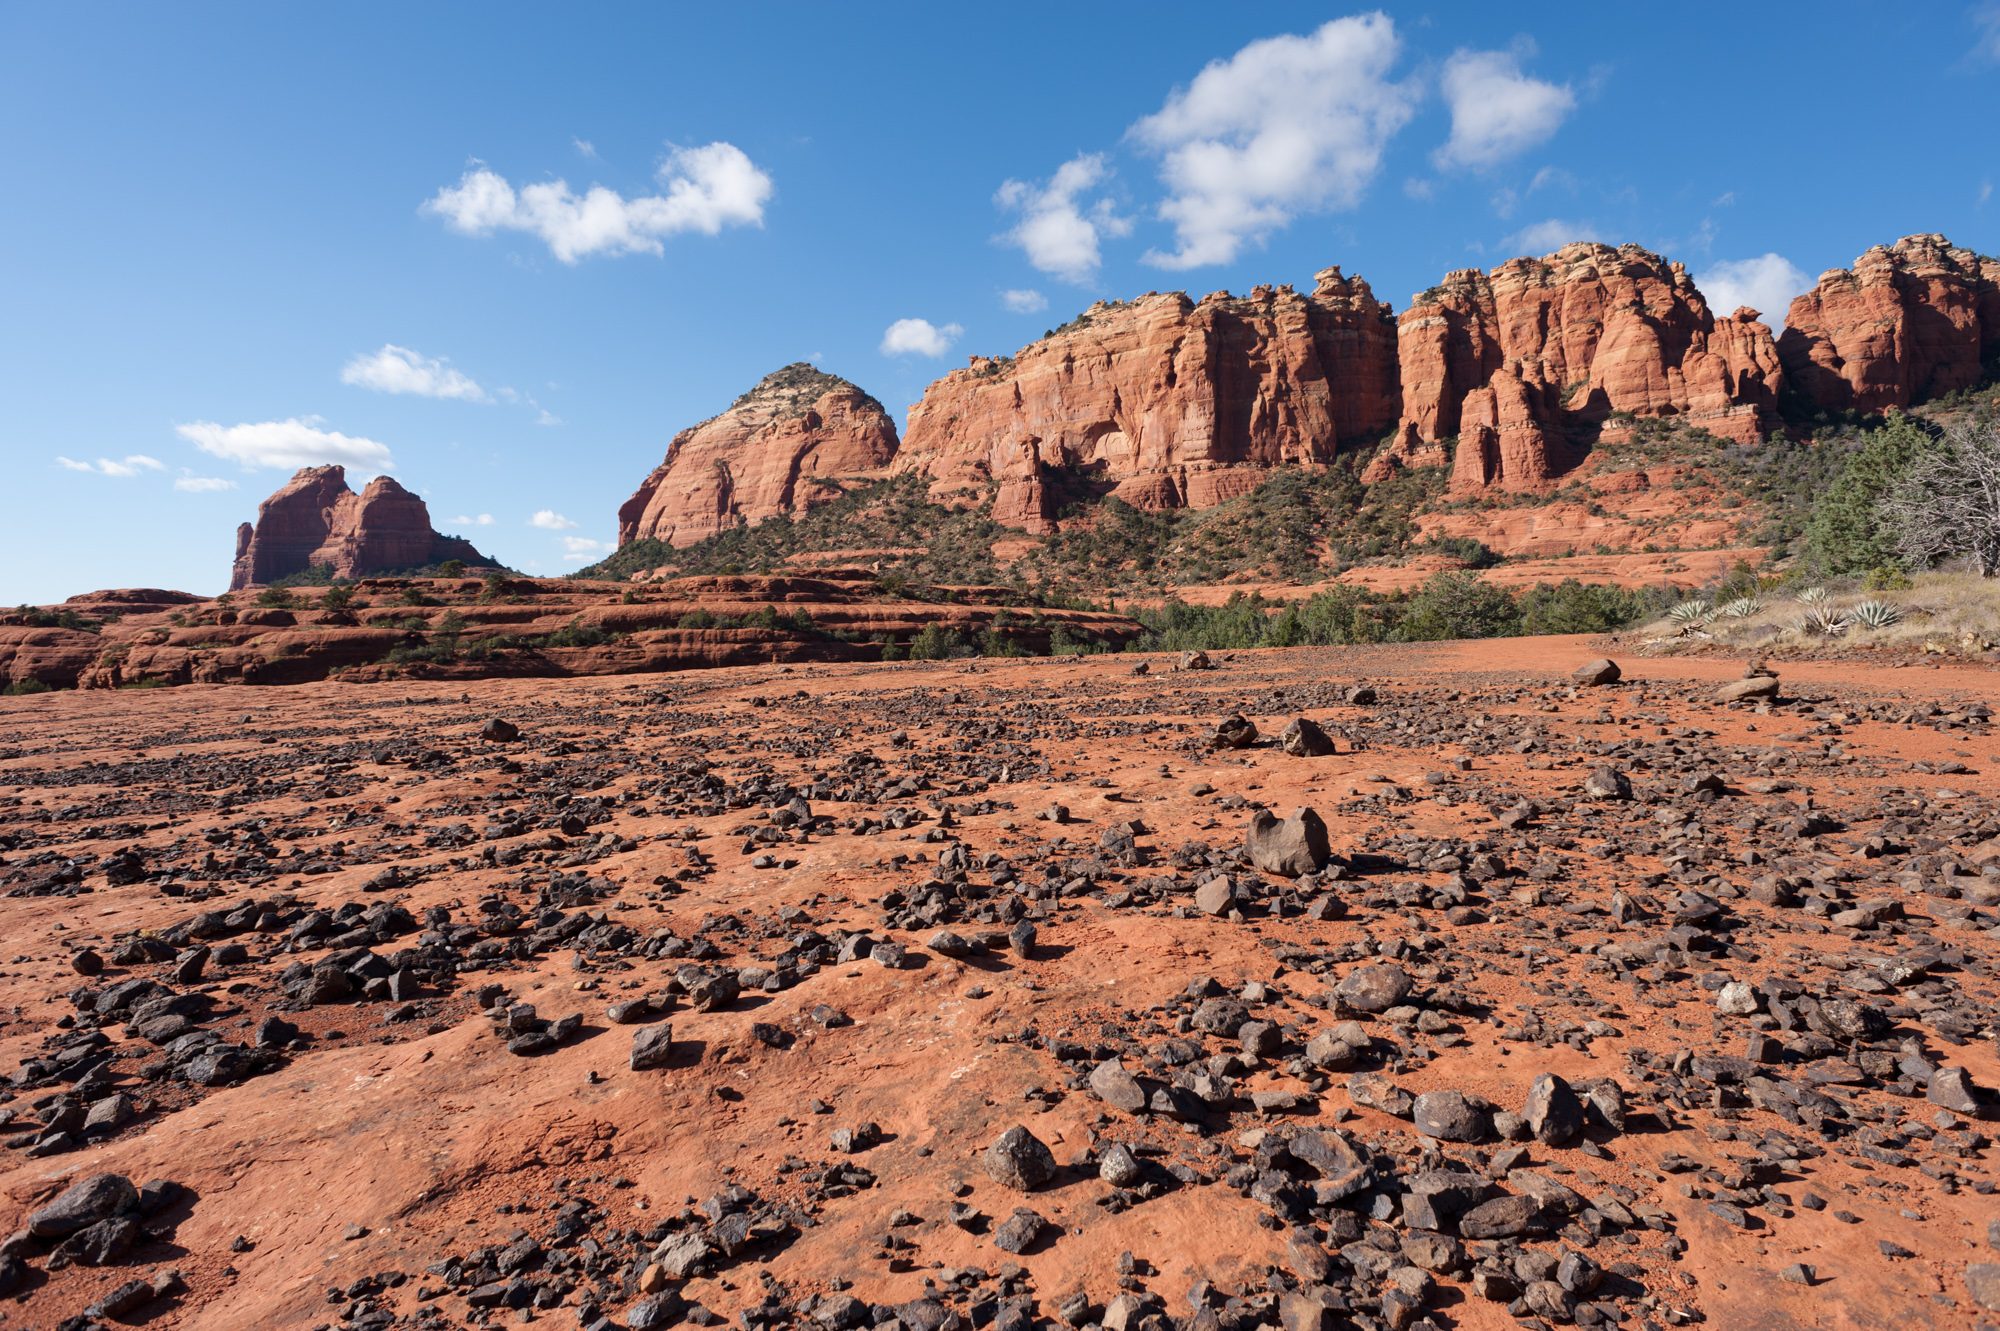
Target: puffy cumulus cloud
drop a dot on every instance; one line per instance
(285, 445)
(1024, 302)
(396, 369)
(550, 520)
(1287, 125)
(576, 549)
(1059, 230)
(1766, 284)
(1552, 234)
(1497, 111)
(918, 337)
(131, 465)
(701, 190)
(189, 483)
(482, 520)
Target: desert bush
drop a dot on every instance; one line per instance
(1946, 503)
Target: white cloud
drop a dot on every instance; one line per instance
(396, 369)
(286, 445)
(132, 465)
(1985, 192)
(576, 549)
(547, 417)
(1024, 302)
(1497, 111)
(483, 520)
(1058, 231)
(1286, 125)
(1542, 237)
(550, 520)
(197, 485)
(1766, 283)
(703, 189)
(918, 337)
(584, 147)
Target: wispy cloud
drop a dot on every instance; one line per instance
(1024, 301)
(131, 465)
(285, 445)
(1552, 234)
(701, 190)
(189, 483)
(482, 520)
(396, 369)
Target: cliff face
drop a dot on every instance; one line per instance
(1506, 377)
(780, 448)
(315, 520)
(1909, 322)
(1164, 401)
(1514, 362)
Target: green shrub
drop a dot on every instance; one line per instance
(1458, 605)
(938, 643)
(1845, 534)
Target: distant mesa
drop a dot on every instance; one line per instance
(315, 522)
(794, 441)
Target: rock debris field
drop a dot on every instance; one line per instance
(1481, 985)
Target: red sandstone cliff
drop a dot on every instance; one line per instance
(782, 447)
(1520, 362)
(314, 520)
(1163, 401)
(1909, 322)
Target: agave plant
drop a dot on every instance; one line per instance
(1691, 613)
(1814, 596)
(1741, 608)
(1876, 615)
(1824, 622)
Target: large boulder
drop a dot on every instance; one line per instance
(1292, 847)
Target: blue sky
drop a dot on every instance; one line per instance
(236, 238)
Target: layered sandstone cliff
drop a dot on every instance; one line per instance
(789, 443)
(1163, 401)
(316, 521)
(1909, 322)
(1521, 364)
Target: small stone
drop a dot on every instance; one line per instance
(652, 1047)
(1020, 1160)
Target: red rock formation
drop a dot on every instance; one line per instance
(1562, 342)
(1909, 322)
(784, 446)
(315, 521)
(1163, 401)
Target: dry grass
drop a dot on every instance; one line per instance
(1951, 614)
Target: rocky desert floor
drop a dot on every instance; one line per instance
(986, 992)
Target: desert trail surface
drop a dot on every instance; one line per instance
(631, 1001)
